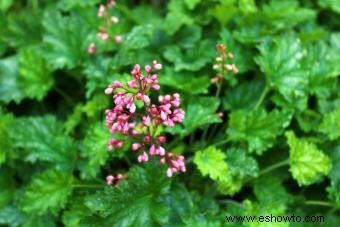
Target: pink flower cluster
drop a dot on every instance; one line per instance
(108, 20)
(111, 179)
(141, 124)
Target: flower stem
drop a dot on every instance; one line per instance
(219, 143)
(261, 99)
(67, 98)
(88, 186)
(319, 203)
(274, 166)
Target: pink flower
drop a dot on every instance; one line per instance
(146, 99)
(169, 172)
(143, 157)
(91, 48)
(136, 146)
(114, 20)
(141, 124)
(109, 180)
(146, 120)
(148, 68)
(101, 11)
(161, 139)
(118, 39)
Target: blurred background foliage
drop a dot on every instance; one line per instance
(283, 105)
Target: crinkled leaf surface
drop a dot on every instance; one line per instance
(42, 138)
(212, 162)
(331, 124)
(257, 128)
(137, 201)
(307, 162)
(48, 190)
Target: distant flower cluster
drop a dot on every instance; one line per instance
(222, 65)
(142, 123)
(108, 20)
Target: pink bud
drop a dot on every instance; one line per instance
(120, 144)
(136, 146)
(169, 172)
(161, 139)
(117, 84)
(146, 99)
(120, 176)
(133, 108)
(134, 132)
(108, 90)
(146, 120)
(163, 161)
(118, 39)
(139, 96)
(109, 179)
(156, 87)
(147, 139)
(153, 150)
(148, 68)
(91, 48)
(114, 20)
(161, 151)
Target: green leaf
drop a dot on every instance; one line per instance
(90, 109)
(331, 4)
(65, 39)
(48, 191)
(266, 210)
(270, 191)
(257, 128)
(243, 96)
(240, 164)
(247, 6)
(191, 59)
(188, 208)
(307, 162)
(69, 5)
(5, 5)
(191, 4)
(43, 139)
(200, 111)
(334, 188)
(241, 168)
(320, 68)
(186, 82)
(188, 36)
(94, 150)
(9, 87)
(280, 60)
(7, 187)
(224, 11)
(6, 144)
(137, 201)
(75, 212)
(211, 161)
(139, 37)
(24, 28)
(40, 221)
(35, 77)
(331, 124)
(11, 216)
(176, 17)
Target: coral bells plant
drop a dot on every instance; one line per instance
(142, 123)
(223, 66)
(108, 20)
